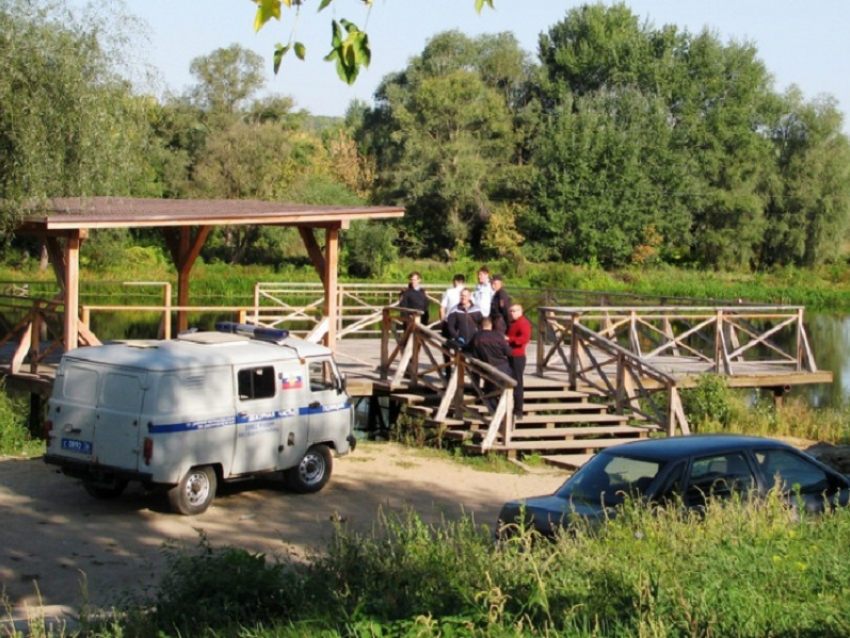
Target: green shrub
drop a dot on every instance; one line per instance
(732, 569)
(709, 403)
(220, 588)
(15, 437)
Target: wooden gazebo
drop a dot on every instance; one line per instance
(64, 223)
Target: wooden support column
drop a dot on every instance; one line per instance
(72, 291)
(184, 251)
(330, 281)
(314, 251)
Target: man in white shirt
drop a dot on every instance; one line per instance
(451, 297)
(483, 291)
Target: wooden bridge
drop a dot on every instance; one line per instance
(598, 374)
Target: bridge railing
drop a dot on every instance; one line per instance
(628, 353)
(414, 355)
(721, 339)
(32, 328)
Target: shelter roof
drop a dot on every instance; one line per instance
(72, 213)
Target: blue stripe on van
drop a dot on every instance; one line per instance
(221, 422)
(336, 407)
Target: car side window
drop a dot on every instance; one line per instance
(719, 476)
(787, 471)
(322, 376)
(256, 383)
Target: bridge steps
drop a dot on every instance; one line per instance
(555, 419)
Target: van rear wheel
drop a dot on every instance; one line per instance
(104, 489)
(312, 472)
(195, 491)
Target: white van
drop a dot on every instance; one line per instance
(205, 407)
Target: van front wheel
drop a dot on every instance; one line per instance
(312, 472)
(195, 491)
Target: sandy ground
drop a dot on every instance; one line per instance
(61, 548)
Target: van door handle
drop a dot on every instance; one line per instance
(315, 404)
(243, 414)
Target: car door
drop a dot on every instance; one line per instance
(328, 408)
(257, 420)
(117, 419)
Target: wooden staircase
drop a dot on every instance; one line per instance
(564, 426)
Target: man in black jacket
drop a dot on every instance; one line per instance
(491, 347)
(414, 297)
(499, 305)
(463, 321)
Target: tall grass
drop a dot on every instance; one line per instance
(713, 407)
(737, 570)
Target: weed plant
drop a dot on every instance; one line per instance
(713, 407)
(15, 437)
(736, 569)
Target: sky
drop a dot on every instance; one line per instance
(800, 43)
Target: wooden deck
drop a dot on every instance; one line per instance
(360, 360)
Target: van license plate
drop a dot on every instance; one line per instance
(83, 447)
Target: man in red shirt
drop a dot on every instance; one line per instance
(518, 336)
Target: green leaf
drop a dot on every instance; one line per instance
(350, 53)
(266, 10)
(279, 52)
(324, 4)
(479, 4)
(300, 50)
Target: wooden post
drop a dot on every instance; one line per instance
(72, 291)
(330, 279)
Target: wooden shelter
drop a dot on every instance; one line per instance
(64, 223)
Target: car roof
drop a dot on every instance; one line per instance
(202, 349)
(673, 447)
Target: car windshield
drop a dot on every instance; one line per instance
(607, 479)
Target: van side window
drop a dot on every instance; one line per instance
(256, 383)
(80, 385)
(321, 376)
(122, 391)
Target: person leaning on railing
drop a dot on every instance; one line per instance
(491, 347)
(414, 297)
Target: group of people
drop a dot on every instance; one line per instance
(482, 322)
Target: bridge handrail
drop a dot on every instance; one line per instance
(415, 353)
(721, 337)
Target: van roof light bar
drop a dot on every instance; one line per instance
(257, 332)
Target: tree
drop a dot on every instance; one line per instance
(808, 212)
(712, 106)
(607, 183)
(227, 78)
(69, 124)
(350, 49)
(444, 139)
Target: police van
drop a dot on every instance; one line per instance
(206, 407)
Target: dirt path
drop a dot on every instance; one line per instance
(58, 542)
